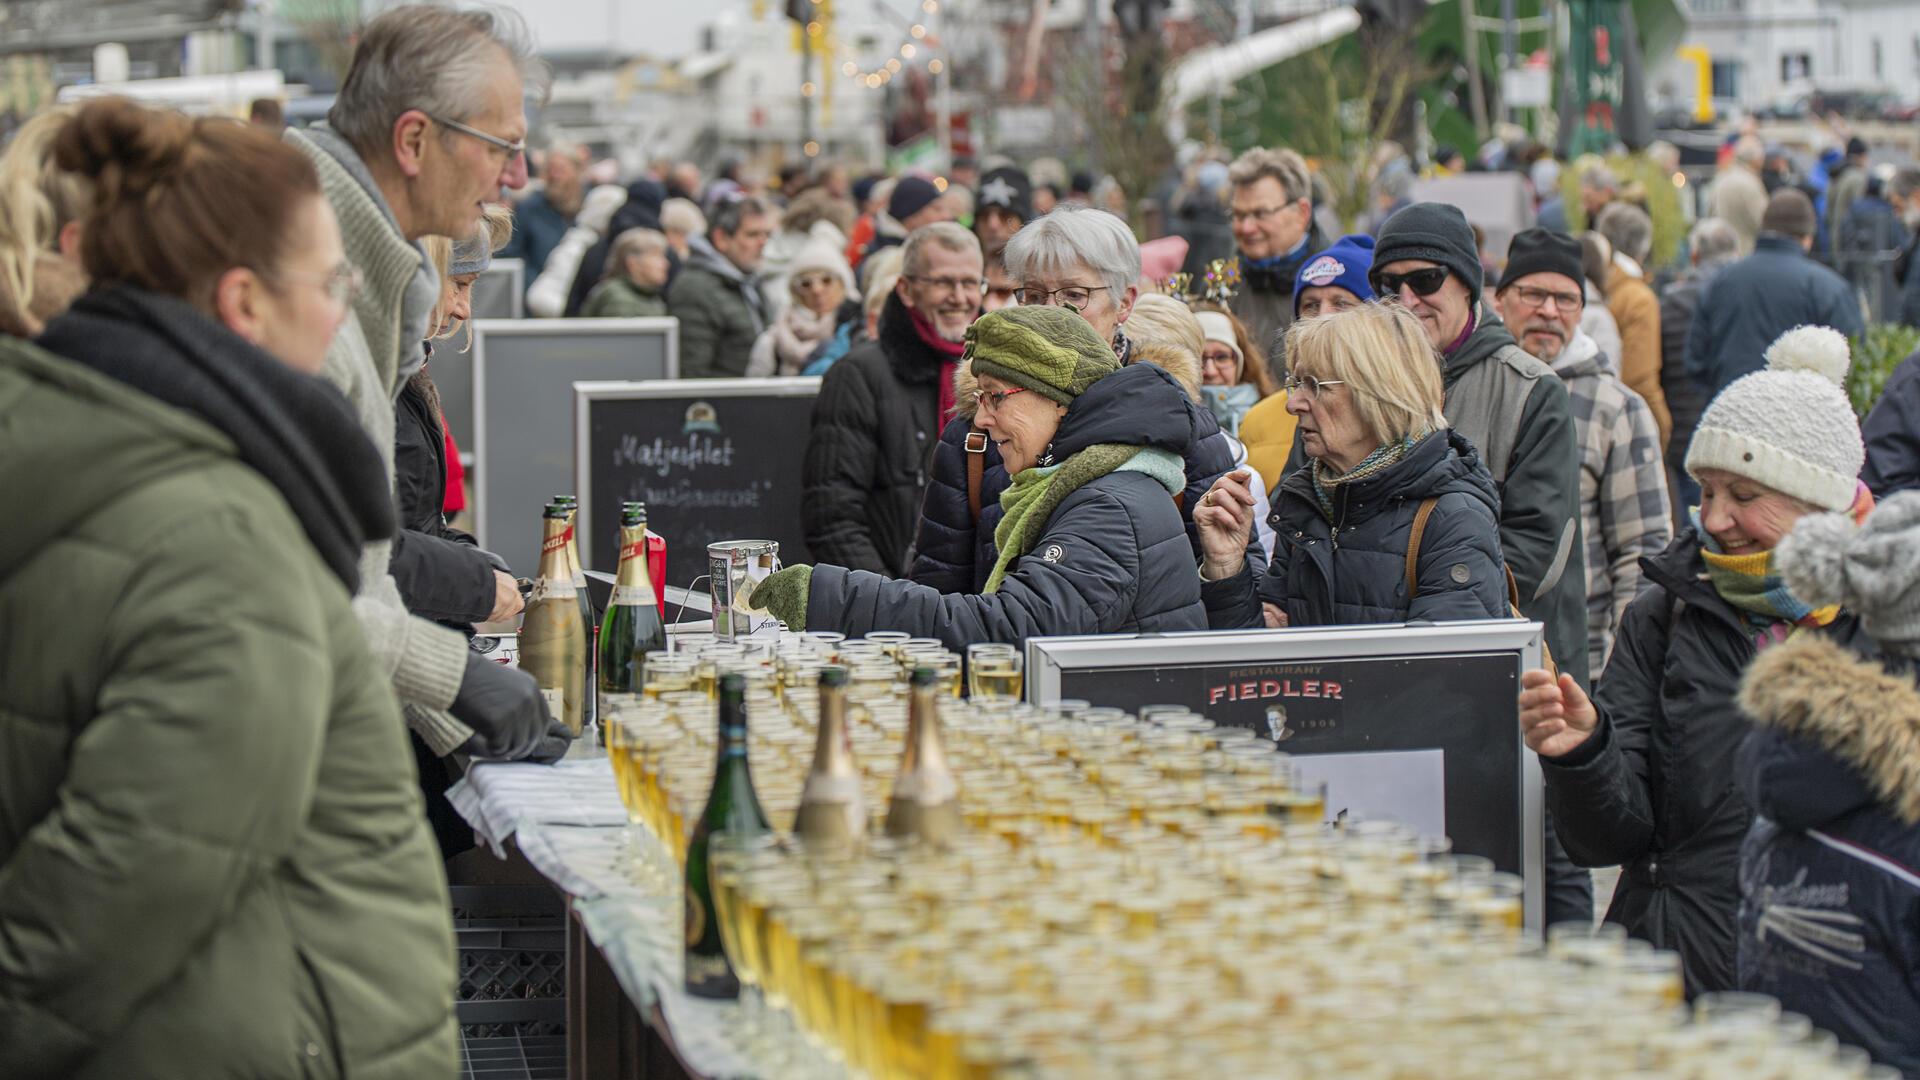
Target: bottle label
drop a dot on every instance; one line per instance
(556, 700)
(636, 550)
(556, 542)
(696, 925)
(633, 595)
(926, 789)
(831, 789)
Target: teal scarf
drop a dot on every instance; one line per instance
(1229, 404)
(1382, 458)
(1753, 586)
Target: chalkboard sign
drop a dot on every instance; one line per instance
(1415, 723)
(713, 459)
(523, 376)
(500, 291)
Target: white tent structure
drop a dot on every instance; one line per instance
(1215, 70)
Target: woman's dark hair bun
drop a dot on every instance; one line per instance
(125, 147)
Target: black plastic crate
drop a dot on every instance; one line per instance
(514, 1057)
(512, 942)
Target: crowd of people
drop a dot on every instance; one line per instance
(237, 680)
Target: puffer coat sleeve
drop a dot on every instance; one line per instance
(1112, 558)
(840, 459)
(1601, 792)
(191, 781)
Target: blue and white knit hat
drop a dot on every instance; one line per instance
(1343, 265)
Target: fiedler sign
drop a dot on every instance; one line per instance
(1389, 709)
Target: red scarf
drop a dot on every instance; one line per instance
(954, 349)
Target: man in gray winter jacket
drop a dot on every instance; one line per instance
(1516, 413)
(715, 296)
(1623, 485)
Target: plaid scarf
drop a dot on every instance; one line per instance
(1752, 584)
(1382, 458)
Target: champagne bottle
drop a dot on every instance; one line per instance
(584, 598)
(553, 638)
(833, 812)
(632, 626)
(926, 797)
(732, 808)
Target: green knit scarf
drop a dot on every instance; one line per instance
(1383, 457)
(1034, 494)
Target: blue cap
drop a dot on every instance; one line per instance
(1344, 264)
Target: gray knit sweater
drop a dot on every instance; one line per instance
(371, 358)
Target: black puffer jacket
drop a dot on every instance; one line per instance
(874, 427)
(1892, 433)
(640, 211)
(442, 573)
(1830, 873)
(1653, 788)
(1359, 575)
(954, 555)
(1112, 559)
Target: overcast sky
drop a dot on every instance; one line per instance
(662, 28)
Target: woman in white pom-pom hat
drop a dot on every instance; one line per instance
(1641, 774)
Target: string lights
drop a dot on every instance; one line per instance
(877, 77)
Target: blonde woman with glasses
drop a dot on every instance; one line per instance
(1382, 464)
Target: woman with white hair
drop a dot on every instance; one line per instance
(1088, 262)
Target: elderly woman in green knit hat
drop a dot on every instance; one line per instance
(1092, 541)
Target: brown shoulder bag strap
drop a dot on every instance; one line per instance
(1513, 601)
(1420, 517)
(976, 469)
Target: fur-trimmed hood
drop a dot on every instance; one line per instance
(1830, 702)
(1182, 365)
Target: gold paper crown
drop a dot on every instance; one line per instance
(1216, 286)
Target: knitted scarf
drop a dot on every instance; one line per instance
(1752, 584)
(1229, 404)
(1382, 458)
(1034, 494)
(940, 346)
(797, 333)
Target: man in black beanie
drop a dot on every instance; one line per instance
(1003, 204)
(1513, 409)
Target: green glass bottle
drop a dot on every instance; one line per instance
(734, 809)
(632, 626)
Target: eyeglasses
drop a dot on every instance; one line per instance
(965, 286)
(992, 400)
(511, 149)
(1311, 385)
(1424, 282)
(342, 284)
(1223, 358)
(1076, 297)
(1259, 213)
(1532, 297)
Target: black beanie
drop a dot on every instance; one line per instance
(1436, 233)
(1543, 251)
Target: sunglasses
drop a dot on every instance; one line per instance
(1424, 282)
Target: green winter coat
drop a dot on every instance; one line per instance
(720, 315)
(621, 298)
(213, 856)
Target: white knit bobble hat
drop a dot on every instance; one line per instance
(1217, 327)
(1790, 426)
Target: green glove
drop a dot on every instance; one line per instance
(784, 595)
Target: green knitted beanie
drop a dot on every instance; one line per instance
(1048, 350)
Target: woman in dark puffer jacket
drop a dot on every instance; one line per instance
(1368, 396)
(1830, 871)
(443, 574)
(1642, 774)
(1090, 541)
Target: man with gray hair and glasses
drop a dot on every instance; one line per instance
(428, 126)
(1088, 261)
